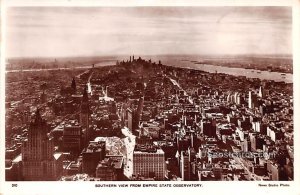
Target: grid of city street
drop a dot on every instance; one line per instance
(150, 117)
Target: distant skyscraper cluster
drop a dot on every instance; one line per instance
(144, 121)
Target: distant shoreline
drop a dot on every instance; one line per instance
(281, 63)
(235, 71)
(49, 69)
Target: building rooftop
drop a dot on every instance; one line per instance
(148, 150)
(17, 159)
(117, 161)
(95, 147)
(57, 155)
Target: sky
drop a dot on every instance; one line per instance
(104, 31)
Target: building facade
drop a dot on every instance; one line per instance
(149, 164)
(40, 162)
(72, 139)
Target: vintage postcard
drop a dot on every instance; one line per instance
(187, 97)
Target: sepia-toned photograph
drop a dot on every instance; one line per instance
(149, 93)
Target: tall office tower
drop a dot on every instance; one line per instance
(237, 98)
(72, 138)
(73, 85)
(85, 116)
(140, 109)
(260, 92)
(149, 163)
(185, 169)
(40, 162)
(250, 100)
(129, 119)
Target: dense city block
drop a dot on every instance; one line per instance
(143, 120)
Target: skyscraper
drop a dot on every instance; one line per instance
(73, 85)
(250, 99)
(84, 115)
(130, 119)
(140, 109)
(260, 92)
(40, 162)
(185, 166)
(72, 138)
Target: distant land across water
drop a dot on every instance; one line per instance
(269, 67)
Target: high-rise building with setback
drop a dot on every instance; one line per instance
(40, 162)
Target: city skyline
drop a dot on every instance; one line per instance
(140, 120)
(103, 31)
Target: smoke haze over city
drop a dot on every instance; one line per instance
(100, 31)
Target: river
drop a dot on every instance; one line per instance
(249, 73)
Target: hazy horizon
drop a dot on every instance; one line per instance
(62, 32)
(158, 55)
